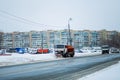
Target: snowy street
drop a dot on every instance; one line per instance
(16, 58)
(59, 39)
(65, 69)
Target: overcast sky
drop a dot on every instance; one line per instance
(26, 15)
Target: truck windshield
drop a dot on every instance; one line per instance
(105, 46)
(59, 46)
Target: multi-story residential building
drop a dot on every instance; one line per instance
(47, 39)
(58, 37)
(51, 38)
(38, 39)
(21, 39)
(8, 40)
(94, 38)
(35, 37)
(54, 37)
(86, 35)
(81, 38)
(64, 36)
(44, 39)
(78, 39)
(1, 40)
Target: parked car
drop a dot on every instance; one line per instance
(40, 51)
(21, 50)
(2, 51)
(114, 50)
(105, 49)
(32, 50)
(86, 50)
(96, 50)
(11, 50)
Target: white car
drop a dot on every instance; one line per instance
(114, 50)
(32, 50)
(2, 51)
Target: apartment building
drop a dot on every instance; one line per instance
(54, 37)
(47, 39)
(65, 39)
(8, 40)
(81, 38)
(1, 40)
(21, 39)
(38, 39)
(94, 38)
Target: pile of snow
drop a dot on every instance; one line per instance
(91, 50)
(86, 54)
(17, 58)
(110, 73)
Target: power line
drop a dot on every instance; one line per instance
(19, 17)
(16, 20)
(25, 20)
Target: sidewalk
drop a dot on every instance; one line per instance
(109, 73)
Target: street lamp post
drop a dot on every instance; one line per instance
(42, 41)
(70, 40)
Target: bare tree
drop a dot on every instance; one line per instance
(114, 41)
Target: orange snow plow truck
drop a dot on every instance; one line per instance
(64, 50)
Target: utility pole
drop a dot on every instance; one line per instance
(70, 40)
(42, 41)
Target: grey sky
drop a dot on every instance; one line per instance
(85, 14)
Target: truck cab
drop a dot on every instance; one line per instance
(64, 50)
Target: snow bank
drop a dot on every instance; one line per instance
(110, 73)
(16, 58)
(86, 54)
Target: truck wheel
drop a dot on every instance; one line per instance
(107, 52)
(72, 55)
(64, 55)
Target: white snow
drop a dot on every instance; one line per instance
(109, 73)
(17, 58)
(86, 54)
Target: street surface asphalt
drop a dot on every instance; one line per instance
(66, 69)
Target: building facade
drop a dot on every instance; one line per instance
(21, 39)
(38, 39)
(86, 38)
(8, 40)
(1, 40)
(94, 38)
(47, 39)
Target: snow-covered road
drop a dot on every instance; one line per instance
(16, 58)
(66, 69)
(110, 73)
